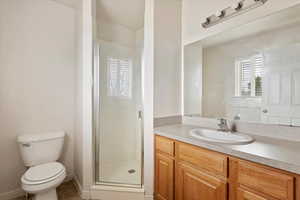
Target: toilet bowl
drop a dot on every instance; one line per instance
(42, 180)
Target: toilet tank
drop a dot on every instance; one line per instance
(41, 148)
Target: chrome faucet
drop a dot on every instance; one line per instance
(223, 125)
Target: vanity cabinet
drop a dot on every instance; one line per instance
(188, 172)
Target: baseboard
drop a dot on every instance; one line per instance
(149, 197)
(82, 193)
(12, 194)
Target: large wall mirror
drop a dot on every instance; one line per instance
(250, 73)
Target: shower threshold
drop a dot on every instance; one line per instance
(122, 173)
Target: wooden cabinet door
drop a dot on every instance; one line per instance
(265, 180)
(164, 177)
(192, 184)
(243, 194)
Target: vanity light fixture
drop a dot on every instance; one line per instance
(232, 11)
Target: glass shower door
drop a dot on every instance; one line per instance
(118, 121)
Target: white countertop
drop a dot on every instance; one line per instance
(277, 153)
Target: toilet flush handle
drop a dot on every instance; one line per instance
(26, 145)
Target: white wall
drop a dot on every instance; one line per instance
(37, 79)
(116, 33)
(167, 58)
(194, 12)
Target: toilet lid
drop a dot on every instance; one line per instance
(43, 172)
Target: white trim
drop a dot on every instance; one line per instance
(12, 194)
(84, 194)
(149, 197)
(87, 76)
(117, 189)
(148, 80)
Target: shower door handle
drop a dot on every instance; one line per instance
(140, 114)
(265, 111)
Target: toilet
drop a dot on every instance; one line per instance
(40, 153)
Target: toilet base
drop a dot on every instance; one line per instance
(48, 195)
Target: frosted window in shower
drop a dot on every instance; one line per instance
(119, 77)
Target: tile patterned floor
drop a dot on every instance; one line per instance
(66, 191)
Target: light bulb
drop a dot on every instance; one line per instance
(237, 5)
(218, 14)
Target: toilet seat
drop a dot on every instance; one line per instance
(43, 173)
(44, 187)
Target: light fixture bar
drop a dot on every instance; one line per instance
(230, 12)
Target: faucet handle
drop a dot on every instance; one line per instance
(222, 120)
(223, 125)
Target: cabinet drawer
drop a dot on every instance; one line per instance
(266, 181)
(208, 160)
(164, 145)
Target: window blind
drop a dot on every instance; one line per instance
(251, 71)
(119, 77)
(245, 77)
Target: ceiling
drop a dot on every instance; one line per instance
(129, 13)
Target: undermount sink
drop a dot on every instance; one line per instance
(220, 136)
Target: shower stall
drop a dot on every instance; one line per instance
(118, 103)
